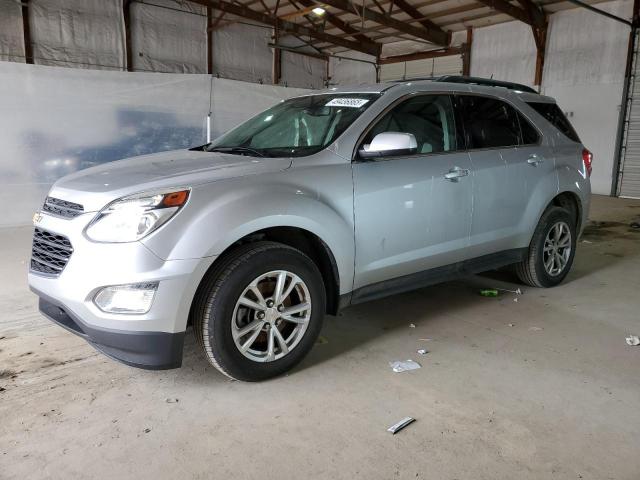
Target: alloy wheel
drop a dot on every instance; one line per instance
(557, 249)
(271, 316)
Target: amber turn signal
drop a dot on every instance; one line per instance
(175, 199)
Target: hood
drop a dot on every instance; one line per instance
(95, 187)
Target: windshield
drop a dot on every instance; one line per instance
(295, 128)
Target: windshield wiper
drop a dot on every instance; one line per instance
(236, 150)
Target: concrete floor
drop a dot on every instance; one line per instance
(544, 387)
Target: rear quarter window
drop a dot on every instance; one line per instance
(556, 117)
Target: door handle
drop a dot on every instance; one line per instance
(534, 160)
(455, 173)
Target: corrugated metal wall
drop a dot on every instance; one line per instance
(629, 183)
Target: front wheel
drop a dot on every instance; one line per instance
(260, 311)
(551, 251)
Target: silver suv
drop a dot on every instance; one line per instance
(323, 201)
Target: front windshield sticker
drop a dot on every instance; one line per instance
(347, 102)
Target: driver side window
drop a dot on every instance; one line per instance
(429, 118)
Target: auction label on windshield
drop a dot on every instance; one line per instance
(347, 102)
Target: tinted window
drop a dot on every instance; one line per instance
(428, 117)
(552, 112)
(489, 122)
(530, 135)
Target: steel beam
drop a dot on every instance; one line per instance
(437, 36)
(289, 27)
(341, 24)
(26, 32)
(413, 12)
(505, 7)
(126, 13)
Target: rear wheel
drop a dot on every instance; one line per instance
(260, 311)
(551, 251)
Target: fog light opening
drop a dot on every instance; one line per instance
(135, 298)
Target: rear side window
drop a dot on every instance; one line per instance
(489, 122)
(530, 135)
(554, 115)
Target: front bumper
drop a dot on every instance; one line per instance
(150, 340)
(148, 350)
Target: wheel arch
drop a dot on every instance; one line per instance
(304, 240)
(571, 202)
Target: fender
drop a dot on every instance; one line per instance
(221, 213)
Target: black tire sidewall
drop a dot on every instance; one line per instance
(221, 307)
(549, 219)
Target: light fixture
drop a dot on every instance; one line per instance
(319, 11)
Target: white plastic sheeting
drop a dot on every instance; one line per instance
(81, 34)
(166, 36)
(505, 51)
(303, 71)
(404, 47)
(169, 36)
(11, 39)
(242, 52)
(352, 72)
(587, 48)
(57, 120)
(584, 71)
(431, 67)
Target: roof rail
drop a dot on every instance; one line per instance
(484, 82)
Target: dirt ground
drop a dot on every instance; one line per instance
(531, 386)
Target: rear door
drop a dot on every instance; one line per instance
(409, 216)
(507, 158)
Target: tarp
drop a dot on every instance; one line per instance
(80, 34)
(58, 120)
(169, 36)
(11, 38)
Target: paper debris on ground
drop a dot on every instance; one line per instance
(511, 324)
(400, 366)
(411, 325)
(535, 329)
(423, 351)
(633, 340)
(400, 425)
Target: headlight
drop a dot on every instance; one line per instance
(135, 298)
(131, 218)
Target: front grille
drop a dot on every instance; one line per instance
(62, 208)
(50, 252)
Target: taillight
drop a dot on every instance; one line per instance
(587, 159)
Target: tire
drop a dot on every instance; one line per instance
(219, 316)
(532, 270)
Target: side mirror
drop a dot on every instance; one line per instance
(390, 144)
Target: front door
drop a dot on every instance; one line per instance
(412, 212)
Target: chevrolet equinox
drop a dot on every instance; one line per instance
(322, 201)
